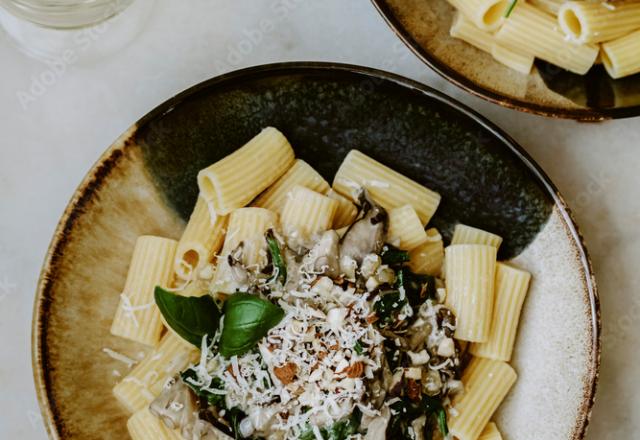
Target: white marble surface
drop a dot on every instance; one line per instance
(48, 143)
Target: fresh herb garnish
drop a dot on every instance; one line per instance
(190, 317)
(341, 430)
(276, 257)
(358, 348)
(405, 410)
(217, 400)
(391, 255)
(510, 8)
(235, 416)
(247, 319)
(387, 304)
(418, 288)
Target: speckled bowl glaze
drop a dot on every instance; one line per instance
(424, 26)
(145, 184)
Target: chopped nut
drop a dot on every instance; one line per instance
(372, 318)
(413, 390)
(286, 373)
(354, 370)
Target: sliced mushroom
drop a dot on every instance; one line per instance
(323, 256)
(176, 406)
(377, 427)
(367, 234)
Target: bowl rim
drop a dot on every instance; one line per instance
(466, 84)
(109, 159)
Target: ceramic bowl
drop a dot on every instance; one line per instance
(424, 26)
(145, 183)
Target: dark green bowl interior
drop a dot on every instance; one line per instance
(326, 110)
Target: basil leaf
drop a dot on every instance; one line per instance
(247, 319)
(276, 257)
(190, 317)
(358, 348)
(391, 255)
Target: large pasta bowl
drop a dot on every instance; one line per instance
(145, 183)
(548, 90)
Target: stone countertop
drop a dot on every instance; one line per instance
(56, 119)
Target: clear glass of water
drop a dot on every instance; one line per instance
(65, 14)
(80, 29)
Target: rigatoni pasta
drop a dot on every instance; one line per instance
(201, 239)
(470, 273)
(487, 15)
(529, 30)
(463, 234)
(145, 426)
(346, 211)
(138, 389)
(520, 62)
(486, 384)
(237, 179)
(511, 288)
(561, 32)
(427, 258)
(300, 173)
(463, 29)
(621, 57)
(244, 243)
(490, 432)
(386, 186)
(550, 6)
(405, 229)
(307, 212)
(595, 22)
(137, 317)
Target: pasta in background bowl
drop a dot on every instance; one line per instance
(133, 206)
(572, 59)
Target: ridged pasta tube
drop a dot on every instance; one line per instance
(386, 186)
(137, 317)
(531, 31)
(487, 15)
(463, 234)
(235, 180)
(405, 229)
(490, 432)
(621, 57)
(511, 289)
(201, 239)
(470, 274)
(486, 383)
(427, 258)
(301, 173)
(596, 22)
(307, 212)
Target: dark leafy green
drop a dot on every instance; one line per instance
(190, 317)
(341, 430)
(358, 348)
(392, 256)
(387, 305)
(216, 400)
(276, 257)
(235, 416)
(417, 287)
(405, 411)
(247, 319)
